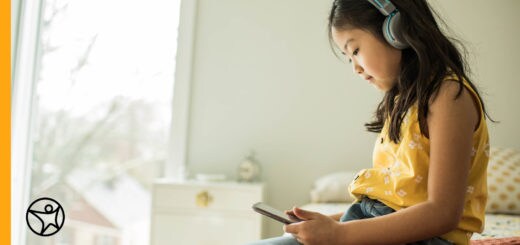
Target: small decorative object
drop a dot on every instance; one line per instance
(249, 169)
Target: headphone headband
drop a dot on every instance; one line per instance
(385, 7)
(391, 24)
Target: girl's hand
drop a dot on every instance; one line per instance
(314, 230)
(291, 214)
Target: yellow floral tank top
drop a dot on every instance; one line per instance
(399, 174)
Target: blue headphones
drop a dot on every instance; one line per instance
(391, 24)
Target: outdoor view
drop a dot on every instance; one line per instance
(102, 114)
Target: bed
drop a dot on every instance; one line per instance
(502, 225)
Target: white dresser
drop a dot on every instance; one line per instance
(205, 213)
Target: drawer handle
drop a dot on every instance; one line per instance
(203, 199)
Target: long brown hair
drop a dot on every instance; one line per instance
(431, 57)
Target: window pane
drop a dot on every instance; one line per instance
(102, 115)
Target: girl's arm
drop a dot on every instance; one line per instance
(337, 216)
(450, 127)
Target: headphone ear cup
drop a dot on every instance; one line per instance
(391, 31)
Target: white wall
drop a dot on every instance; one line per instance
(491, 29)
(264, 78)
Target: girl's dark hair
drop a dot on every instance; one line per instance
(430, 58)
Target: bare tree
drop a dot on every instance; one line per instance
(65, 143)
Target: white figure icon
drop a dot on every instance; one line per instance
(51, 219)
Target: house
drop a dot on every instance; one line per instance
(113, 211)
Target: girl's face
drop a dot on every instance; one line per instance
(375, 61)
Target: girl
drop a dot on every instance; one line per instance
(427, 184)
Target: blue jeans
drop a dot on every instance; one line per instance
(367, 208)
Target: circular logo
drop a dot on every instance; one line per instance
(45, 216)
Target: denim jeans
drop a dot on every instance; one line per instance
(367, 208)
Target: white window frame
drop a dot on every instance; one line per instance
(176, 166)
(24, 67)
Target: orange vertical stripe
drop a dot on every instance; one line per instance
(5, 123)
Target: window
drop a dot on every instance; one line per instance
(65, 237)
(105, 240)
(102, 113)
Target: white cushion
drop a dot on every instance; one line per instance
(332, 188)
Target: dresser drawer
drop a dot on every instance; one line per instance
(210, 197)
(199, 228)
